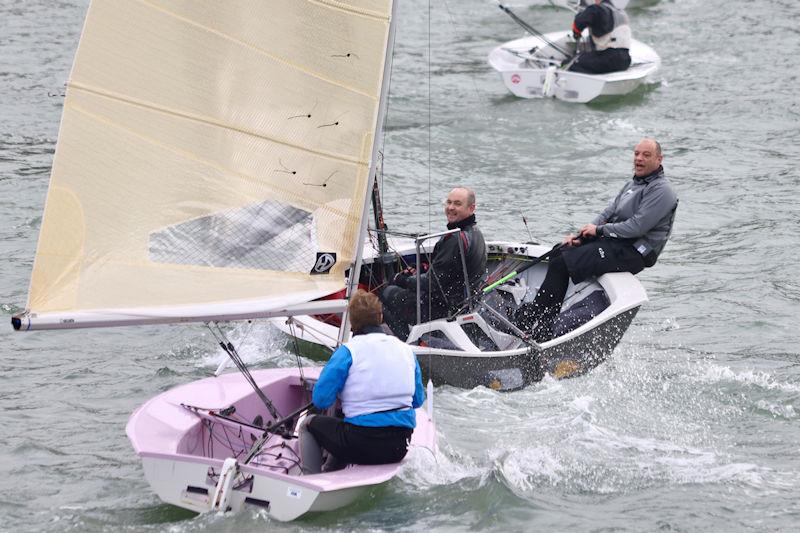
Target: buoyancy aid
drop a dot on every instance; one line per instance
(620, 36)
(381, 377)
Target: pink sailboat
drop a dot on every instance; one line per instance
(214, 163)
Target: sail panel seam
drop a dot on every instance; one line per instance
(205, 120)
(260, 51)
(333, 4)
(299, 199)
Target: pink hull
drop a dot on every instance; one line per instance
(166, 435)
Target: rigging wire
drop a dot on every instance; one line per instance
(296, 343)
(419, 267)
(230, 349)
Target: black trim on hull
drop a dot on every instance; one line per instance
(571, 358)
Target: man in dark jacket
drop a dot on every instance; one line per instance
(610, 39)
(442, 287)
(627, 236)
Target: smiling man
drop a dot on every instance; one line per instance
(442, 286)
(627, 236)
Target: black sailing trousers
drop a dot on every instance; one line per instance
(577, 263)
(360, 444)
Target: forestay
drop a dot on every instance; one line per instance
(209, 164)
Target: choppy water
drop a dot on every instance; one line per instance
(693, 424)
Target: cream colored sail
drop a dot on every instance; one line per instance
(213, 159)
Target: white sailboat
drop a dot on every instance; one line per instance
(214, 163)
(534, 66)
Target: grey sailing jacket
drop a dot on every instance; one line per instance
(643, 212)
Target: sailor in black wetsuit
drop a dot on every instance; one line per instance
(442, 287)
(610, 41)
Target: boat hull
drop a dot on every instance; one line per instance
(570, 358)
(183, 483)
(185, 455)
(527, 79)
(455, 359)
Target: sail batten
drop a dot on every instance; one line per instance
(211, 122)
(210, 152)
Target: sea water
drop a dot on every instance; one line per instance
(692, 425)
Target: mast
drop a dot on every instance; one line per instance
(384, 257)
(355, 270)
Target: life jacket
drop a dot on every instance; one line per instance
(620, 36)
(381, 377)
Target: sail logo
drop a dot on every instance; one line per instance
(325, 261)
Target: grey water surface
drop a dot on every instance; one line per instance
(692, 425)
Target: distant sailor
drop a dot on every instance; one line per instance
(443, 288)
(610, 41)
(627, 236)
(378, 379)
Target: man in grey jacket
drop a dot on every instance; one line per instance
(627, 236)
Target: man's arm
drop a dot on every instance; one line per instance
(605, 215)
(655, 205)
(331, 380)
(446, 255)
(585, 18)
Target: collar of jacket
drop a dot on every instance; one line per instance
(657, 173)
(368, 329)
(463, 223)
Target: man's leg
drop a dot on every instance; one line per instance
(357, 444)
(310, 452)
(330, 433)
(396, 304)
(601, 257)
(544, 309)
(579, 263)
(611, 60)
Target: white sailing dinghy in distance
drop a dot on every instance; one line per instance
(531, 67)
(214, 163)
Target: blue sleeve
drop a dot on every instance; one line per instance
(419, 390)
(331, 380)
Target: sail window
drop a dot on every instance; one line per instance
(270, 235)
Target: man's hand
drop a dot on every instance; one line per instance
(401, 278)
(588, 230)
(571, 240)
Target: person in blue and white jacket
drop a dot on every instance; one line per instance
(378, 379)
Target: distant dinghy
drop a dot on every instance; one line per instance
(531, 67)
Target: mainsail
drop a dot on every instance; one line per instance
(213, 161)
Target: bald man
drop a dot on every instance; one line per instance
(627, 236)
(443, 287)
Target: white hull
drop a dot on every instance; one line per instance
(527, 77)
(182, 482)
